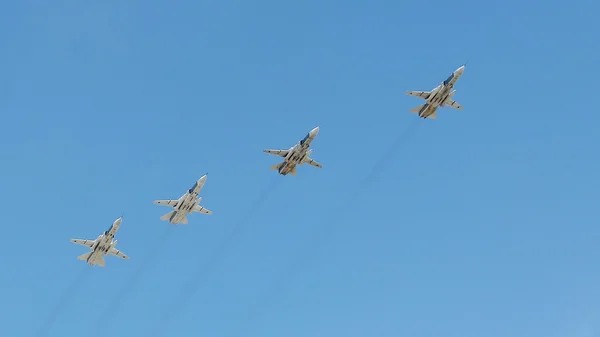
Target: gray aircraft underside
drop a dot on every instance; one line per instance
(101, 246)
(440, 96)
(188, 203)
(296, 155)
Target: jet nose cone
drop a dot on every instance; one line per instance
(118, 221)
(203, 178)
(314, 132)
(460, 70)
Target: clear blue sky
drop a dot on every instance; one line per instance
(483, 222)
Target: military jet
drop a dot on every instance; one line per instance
(103, 245)
(297, 155)
(187, 204)
(438, 97)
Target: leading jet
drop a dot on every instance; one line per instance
(103, 245)
(296, 155)
(438, 97)
(188, 203)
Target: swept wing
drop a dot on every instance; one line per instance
(453, 104)
(117, 253)
(421, 94)
(310, 161)
(87, 243)
(171, 203)
(281, 153)
(200, 209)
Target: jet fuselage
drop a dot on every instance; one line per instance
(443, 92)
(298, 152)
(186, 203)
(103, 243)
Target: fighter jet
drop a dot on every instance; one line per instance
(438, 97)
(103, 245)
(297, 155)
(187, 204)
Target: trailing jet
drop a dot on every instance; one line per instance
(187, 204)
(103, 245)
(438, 97)
(297, 155)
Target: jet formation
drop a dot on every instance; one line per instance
(103, 245)
(298, 154)
(438, 97)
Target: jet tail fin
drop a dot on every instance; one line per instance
(417, 109)
(167, 216)
(276, 166)
(85, 256)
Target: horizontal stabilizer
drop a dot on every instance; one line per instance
(100, 261)
(433, 115)
(417, 109)
(293, 171)
(184, 221)
(276, 166)
(167, 216)
(85, 256)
